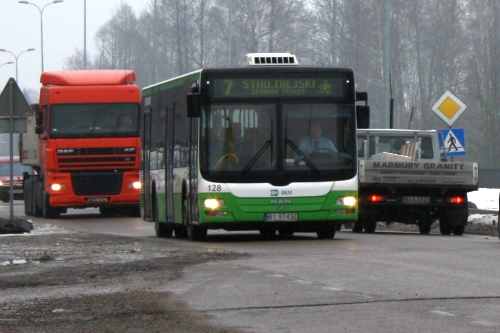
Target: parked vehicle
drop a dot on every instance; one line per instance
(18, 170)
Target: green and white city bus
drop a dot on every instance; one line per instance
(230, 148)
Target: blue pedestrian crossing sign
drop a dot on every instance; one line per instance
(452, 141)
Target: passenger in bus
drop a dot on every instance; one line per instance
(315, 143)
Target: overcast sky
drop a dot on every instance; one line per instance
(63, 31)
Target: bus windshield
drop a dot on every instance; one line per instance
(285, 141)
(94, 120)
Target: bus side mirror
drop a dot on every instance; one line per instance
(193, 102)
(363, 116)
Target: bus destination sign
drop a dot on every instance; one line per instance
(282, 87)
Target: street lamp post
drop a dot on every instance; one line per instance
(41, 20)
(16, 57)
(7, 63)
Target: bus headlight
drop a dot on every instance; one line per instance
(213, 203)
(347, 201)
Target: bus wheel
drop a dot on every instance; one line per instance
(357, 227)
(285, 232)
(162, 229)
(267, 233)
(326, 232)
(194, 232)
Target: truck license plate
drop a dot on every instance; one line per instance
(97, 199)
(272, 217)
(417, 200)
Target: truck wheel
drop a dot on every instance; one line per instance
(370, 226)
(48, 211)
(458, 230)
(26, 193)
(424, 225)
(444, 226)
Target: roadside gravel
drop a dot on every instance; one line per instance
(61, 281)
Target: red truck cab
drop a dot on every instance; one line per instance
(87, 145)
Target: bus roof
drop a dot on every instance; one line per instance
(88, 77)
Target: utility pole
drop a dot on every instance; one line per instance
(386, 65)
(335, 34)
(230, 27)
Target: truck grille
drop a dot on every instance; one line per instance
(96, 158)
(97, 183)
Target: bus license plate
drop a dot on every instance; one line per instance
(272, 217)
(417, 200)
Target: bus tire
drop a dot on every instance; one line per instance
(326, 232)
(357, 227)
(194, 232)
(162, 229)
(285, 232)
(267, 233)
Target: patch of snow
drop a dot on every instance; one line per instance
(485, 198)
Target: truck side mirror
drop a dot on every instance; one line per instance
(363, 116)
(193, 102)
(38, 129)
(39, 117)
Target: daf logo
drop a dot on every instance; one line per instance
(129, 150)
(274, 193)
(65, 151)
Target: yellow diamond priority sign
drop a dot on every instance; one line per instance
(449, 108)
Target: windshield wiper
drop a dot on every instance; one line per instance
(254, 160)
(301, 154)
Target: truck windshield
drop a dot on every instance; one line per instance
(94, 120)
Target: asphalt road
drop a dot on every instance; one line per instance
(382, 282)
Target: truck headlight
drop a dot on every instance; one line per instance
(136, 185)
(57, 187)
